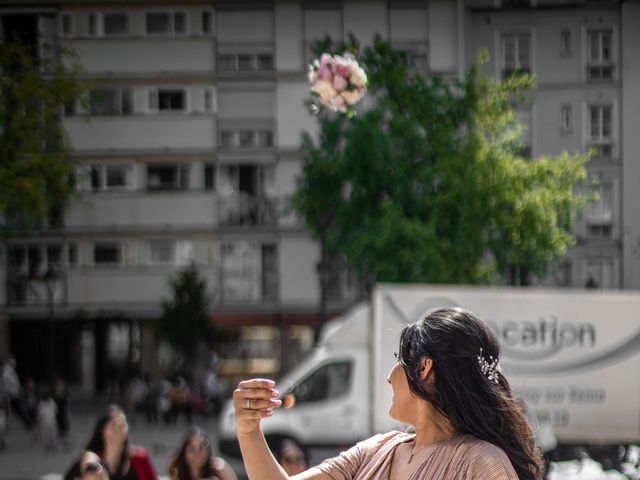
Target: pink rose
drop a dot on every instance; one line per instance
(343, 69)
(324, 73)
(326, 59)
(339, 83)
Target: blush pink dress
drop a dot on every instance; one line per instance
(462, 457)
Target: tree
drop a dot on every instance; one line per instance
(184, 323)
(36, 170)
(428, 184)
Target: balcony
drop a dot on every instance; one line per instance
(246, 133)
(245, 57)
(245, 209)
(417, 53)
(508, 72)
(602, 150)
(600, 72)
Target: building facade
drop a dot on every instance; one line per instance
(194, 148)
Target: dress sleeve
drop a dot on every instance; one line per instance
(491, 463)
(346, 464)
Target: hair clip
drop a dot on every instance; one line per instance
(489, 368)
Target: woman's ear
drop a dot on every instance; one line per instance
(426, 368)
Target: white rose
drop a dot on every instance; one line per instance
(358, 77)
(313, 76)
(351, 96)
(324, 89)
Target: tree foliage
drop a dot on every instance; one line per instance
(184, 323)
(428, 185)
(36, 170)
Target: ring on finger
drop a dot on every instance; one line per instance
(249, 404)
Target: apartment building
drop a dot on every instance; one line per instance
(194, 147)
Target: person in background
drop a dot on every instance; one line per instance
(63, 418)
(292, 458)
(47, 422)
(447, 383)
(195, 460)
(110, 440)
(88, 467)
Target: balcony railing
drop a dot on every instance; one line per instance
(248, 285)
(602, 150)
(600, 72)
(507, 72)
(245, 56)
(417, 53)
(244, 209)
(246, 133)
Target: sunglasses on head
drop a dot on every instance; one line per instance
(93, 467)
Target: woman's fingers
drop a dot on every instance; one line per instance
(253, 400)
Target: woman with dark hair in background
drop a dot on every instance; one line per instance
(195, 460)
(110, 440)
(447, 384)
(88, 467)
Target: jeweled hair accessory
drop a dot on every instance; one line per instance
(489, 368)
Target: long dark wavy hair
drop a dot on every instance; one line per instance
(179, 469)
(453, 338)
(96, 442)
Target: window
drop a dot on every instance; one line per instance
(111, 177)
(600, 213)
(516, 53)
(93, 27)
(167, 100)
(67, 27)
(116, 24)
(110, 101)
(107, 253)
(210, 177)
(565, 43)
(170, 251)
(326, 383)
(600, 66)
(167, 177)
(72, 254)
(600, 127)
(566, 118)
(208, 100)
(599, 273)
(166, 23)
(207, 22)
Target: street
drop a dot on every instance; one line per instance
(25, 459)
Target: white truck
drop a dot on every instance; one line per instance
(573, 356)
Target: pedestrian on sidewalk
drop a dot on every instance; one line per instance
(63, 417)
(47, 422)
(110, 440)
(195, 460)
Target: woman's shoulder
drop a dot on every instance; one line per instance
(484, 455)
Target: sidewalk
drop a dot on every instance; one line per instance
(25, 459)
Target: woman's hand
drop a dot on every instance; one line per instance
(254, 400)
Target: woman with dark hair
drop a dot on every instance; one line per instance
(195, 460)
(448, 386)
(89, 466)
(110, 440)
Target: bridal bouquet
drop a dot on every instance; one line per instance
(338, 82)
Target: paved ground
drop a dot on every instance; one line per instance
(24, 458)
